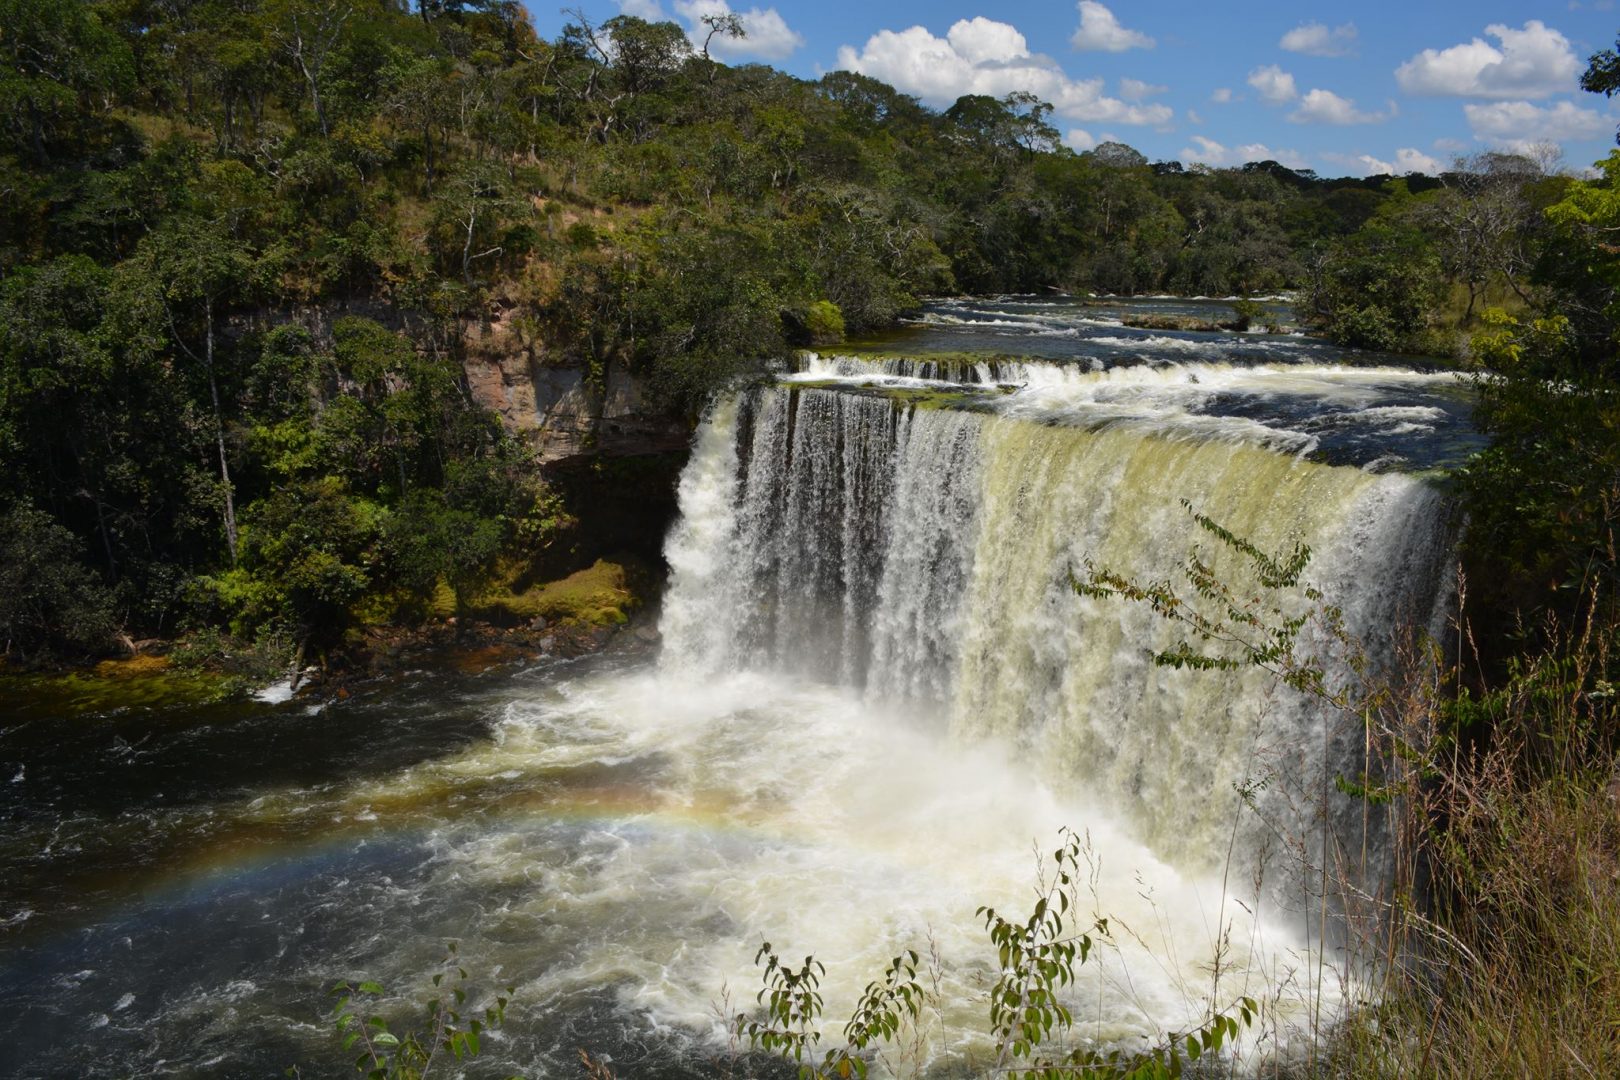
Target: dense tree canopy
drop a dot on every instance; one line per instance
(243, 240)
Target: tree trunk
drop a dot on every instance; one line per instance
(466, 248)
(36, 126)
(298, 663)
(219, 437)
(315, 95)
(106, 538)
(427, 156)
(311, 75)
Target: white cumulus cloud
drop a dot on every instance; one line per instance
(1360, 164)
(1407, 160)
(1317, 39)
(651, 10)
(1532, 62)
(1275, 85)
(1515, 124)
(1326, 107)
(767, 34)
(1137, 90)
(1411, 160)
(1079, 141)
(982, 56)
(1100, 31)
(1207, 151)
(1222, 95)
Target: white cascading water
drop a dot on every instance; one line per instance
(920, 557)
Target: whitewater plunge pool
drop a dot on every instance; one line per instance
(875, 691)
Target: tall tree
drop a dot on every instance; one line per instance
(309, 31)
(57, 62)
(202, 268)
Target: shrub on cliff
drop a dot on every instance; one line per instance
(50, 602)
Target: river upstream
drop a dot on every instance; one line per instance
(875, 692)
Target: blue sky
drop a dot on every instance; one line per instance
(1343, 89)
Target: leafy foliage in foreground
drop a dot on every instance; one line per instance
(1494, 944)
(454, 1034)
(1030, 1013)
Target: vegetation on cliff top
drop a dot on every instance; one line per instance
(243, 243)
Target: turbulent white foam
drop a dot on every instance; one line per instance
(940, 319)
(1400, 419)
(769, 808)
(1153, 344)
(697, 550)
(1169, 399)
(922, 556)
(276, 693)
(1281, 298)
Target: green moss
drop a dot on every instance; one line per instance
(144, 682)
(824, 322)
(1174, 322)
(442, 605)
(950, 360)
(920, 397)
(603, 594)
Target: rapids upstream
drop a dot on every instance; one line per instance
(875, 691)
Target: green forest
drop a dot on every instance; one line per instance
(245, 246)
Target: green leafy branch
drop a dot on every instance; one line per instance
(452, 1029)
(1230, 629)
(1037, 961)
(1038, 956)
(1233, 630)
(793, 1005)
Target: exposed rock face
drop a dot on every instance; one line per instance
(556, 407)
(613, 456)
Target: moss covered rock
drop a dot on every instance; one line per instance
(142, 682)
(824, 322)
(603, 594)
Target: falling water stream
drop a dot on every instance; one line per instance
(875, 691)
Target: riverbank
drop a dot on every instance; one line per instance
(566, 618)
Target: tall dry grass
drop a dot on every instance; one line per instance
(1496, 946)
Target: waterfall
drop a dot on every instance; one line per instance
(923, 555)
